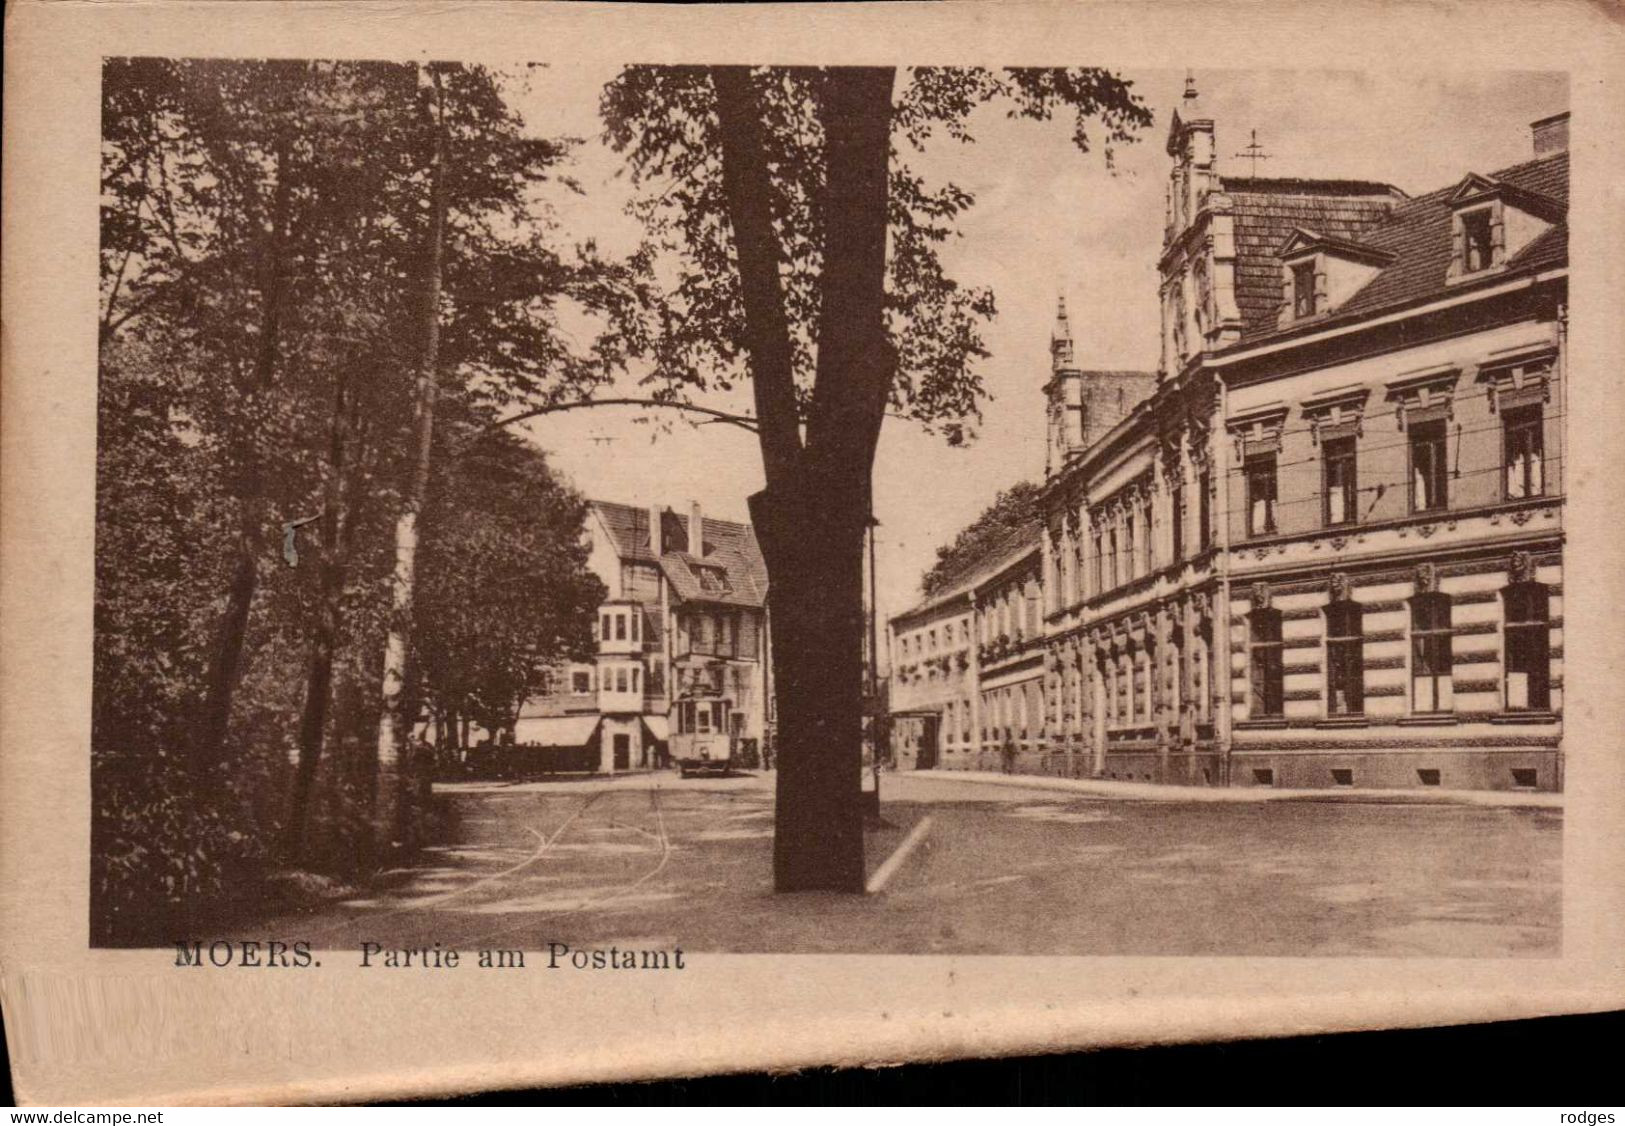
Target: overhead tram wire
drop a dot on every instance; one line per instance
(1242, 469)
(1367, 416)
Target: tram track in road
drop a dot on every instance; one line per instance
(545, 843)
(661, 836)
(663, 843)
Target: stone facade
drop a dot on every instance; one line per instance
(1325, 549)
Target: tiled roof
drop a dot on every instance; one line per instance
(728, 545)
(1268, 211)
(1106, 409)
(1416, 232)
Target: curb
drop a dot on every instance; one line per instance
(1146, 791)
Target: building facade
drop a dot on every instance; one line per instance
(934, 700)
(1326, 548)
(685, 616)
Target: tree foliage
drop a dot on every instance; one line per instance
(799, 246)
(665, 121)
(1001, 525)
(263, 225)
(504, 591)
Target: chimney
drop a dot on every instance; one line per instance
(656, 545)
(1551, 134)
(696, 531)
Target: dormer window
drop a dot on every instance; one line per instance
(1493, 222)
(713, 580)
(1478, 240)
(1319, 273)
(1303, 289)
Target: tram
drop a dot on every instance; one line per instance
(702, 736)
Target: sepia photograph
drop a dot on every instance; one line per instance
(554, 544)
(594, 515)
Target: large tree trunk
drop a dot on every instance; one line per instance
(225, 665)
(394, 724)
(810, 519)
(812, 542)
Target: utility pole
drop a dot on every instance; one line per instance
(872, 689)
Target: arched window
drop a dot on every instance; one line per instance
(1345, 659)
(1430, 654)
(1528, 658)
(1264, 663)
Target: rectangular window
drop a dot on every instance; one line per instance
(1528, 648)
(1524, 446)
(1340, 493)
(635, 685)
(1204, 510)
(1303, 289)
(1264, 666)
(620, 680)
(1345, 659)
(1430, 473)
(1100, 564)
(620, 627)
(1130, 560)
(1430, 654)
(1177, 515)
(580, 683)
(605, 629)
(702, 717)
(1260, 471)
(1145, 688)
(1478, 246)
(1111, 562)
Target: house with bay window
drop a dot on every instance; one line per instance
(682, 640)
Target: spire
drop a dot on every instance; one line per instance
(1187, 118)
(1190, 105)
(1060, 342)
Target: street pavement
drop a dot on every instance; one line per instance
(654, 861)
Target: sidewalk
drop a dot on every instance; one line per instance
(1148, 791)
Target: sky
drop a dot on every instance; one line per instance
(1049, 220)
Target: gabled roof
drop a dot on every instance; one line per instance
(1416, 233)
(1474, 187)
(1268, 211)
(1301, 240)
(728, 546)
